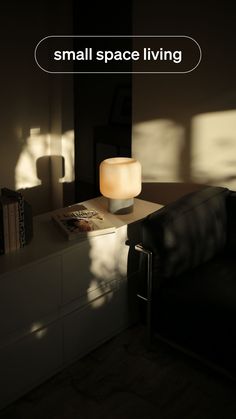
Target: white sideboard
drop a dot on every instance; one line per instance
(60, 299)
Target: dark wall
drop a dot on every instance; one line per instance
(94, 93)
(36, 107)
(189, 118)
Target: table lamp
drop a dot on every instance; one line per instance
(120, 182)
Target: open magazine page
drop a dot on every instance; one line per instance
(78, 221)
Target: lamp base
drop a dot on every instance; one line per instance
(121, 206)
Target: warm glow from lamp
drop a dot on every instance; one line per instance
(120, 181)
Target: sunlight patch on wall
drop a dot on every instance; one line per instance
(36, 146)
(158, 144)
(213, 159)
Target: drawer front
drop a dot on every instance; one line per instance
(26, 363)
(101, 319)
(29, 295)
(90, 265)
(76, 272)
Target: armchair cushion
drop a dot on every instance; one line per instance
(188, 232)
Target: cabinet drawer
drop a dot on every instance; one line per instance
(76, 272)
(29, 295)
(90, 265)
(28, 362)
(88, 327)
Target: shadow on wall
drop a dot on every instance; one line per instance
(160, 146)
(40, 196)
(41, 176)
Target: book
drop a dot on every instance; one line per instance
(12, 224)
(17, 225)
(28, 222)
(2, 241)
(20, 199)
(24, 218)
(77, 221)
(4, 230)
(5, 240)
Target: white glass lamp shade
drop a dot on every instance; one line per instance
(120, 178)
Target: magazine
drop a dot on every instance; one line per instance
(78, 221)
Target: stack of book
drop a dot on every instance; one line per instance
(16, 227)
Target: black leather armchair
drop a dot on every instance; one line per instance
(188, 275)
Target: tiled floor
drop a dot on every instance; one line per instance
(121, 379)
